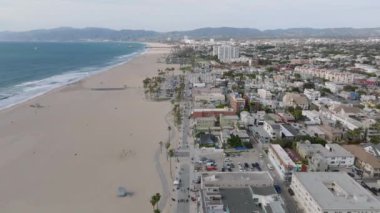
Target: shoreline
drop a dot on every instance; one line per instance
(128, 57)
(73, 153)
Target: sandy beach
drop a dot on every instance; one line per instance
(73, 153)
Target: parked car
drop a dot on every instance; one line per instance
(291, 192)
(277, 188)
(351, 174)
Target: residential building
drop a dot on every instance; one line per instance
(228, 121)
(364, 160)
(330, 156)
(210, 97)
(373, 149)
(333, 87)
(237, 103)
(295, 99)
(226, 53)
(205, 123)
(331, 192)
(198, 113)
(312, 94)
(264, 94)
(281, 161)
(313, 117)
(260, 135)
(273, 129)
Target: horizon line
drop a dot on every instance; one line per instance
(210, 27)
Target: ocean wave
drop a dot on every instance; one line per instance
(28, 90)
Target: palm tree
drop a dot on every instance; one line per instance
(156, 211)
(161, 143)
(171, 154)
(169, 128)
(153, 201)
(167, 146)
(157, 197)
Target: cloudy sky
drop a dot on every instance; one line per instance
(168, 15)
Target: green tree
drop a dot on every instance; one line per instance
(154, 201)
(171, 155)
(234, 141)
(167, 146)
(296, 112)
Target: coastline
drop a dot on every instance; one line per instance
(72, 153)
(86, 75)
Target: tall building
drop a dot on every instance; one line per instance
(226, 53)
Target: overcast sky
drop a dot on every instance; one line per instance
(168, 15)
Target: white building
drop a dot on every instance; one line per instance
(295, 100)
(264, 94)
(333, 87)
(281, 161)
(312, 94)
(273, 129)
(313, 117)
(226, 53)
(332, 155)
(331, 192)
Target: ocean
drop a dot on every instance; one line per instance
(29, 69)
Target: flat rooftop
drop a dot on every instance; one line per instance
(239, 200)
(337, 191)
(236, 179)
(282, 154)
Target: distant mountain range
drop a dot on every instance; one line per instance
(101, 34)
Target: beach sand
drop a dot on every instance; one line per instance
(71, 154)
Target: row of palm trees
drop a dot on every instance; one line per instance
(154, 201)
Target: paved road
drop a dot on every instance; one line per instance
(183, 193)
(183, 198)
(290, 203)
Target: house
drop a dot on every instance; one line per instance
(260, 135)
(273, 129)
(228, 121)
(344, 110)
(205, 123)
(237, 103)
(312, 94)
(313, 117)
(264, 94)
(286, 117)
(373, 149)
(295, 100)
(332, 155)
(288, 132)
(331, 133)
(364, 160)
(208, 139)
